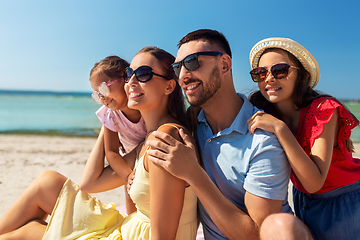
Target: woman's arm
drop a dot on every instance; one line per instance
(167, 197)
(311, 171)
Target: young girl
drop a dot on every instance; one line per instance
(314, 130)
(172, 204)
(123, 129)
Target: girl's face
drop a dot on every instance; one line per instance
(277, 90)
(117, 98)
(151, 94)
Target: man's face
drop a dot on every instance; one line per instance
(202, 83)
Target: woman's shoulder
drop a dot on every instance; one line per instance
(325, 103)
(322, 108)
(169, 126)
(319, 113)
(172, 129)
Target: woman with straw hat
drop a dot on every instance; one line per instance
(314, 130)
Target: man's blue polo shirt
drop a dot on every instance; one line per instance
(238, 162)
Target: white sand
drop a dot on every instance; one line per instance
(23, 157)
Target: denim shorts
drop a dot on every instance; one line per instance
(334, 215)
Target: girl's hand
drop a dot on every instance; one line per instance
(130, 180)
(263, 121)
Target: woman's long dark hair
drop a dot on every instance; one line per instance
(302, 96)
(176, 104)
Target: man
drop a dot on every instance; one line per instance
(244, 177)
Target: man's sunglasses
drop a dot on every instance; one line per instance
(279, 71)
(142, 74)
(191, 62)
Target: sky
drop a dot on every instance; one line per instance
(52, 45)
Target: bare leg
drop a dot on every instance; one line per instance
(34, 204)
(284, 226)
(33, 230)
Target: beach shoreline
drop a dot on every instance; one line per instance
(24, 157)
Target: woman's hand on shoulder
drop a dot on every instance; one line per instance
(263, 121)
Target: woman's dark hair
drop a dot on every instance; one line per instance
(302, 95)
(176, 104)
(111, 66)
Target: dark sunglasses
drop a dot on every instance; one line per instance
(279, 71)
(191, 62)
(142, 74)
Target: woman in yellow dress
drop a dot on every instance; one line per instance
(152, 90)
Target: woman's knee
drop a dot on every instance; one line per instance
(50, 180)
(51, 176)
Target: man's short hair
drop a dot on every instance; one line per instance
(209, 35)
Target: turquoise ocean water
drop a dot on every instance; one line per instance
(56, 113)
(51, 113)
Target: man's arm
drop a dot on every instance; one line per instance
(180, 160)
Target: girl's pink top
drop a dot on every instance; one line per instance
(344, 169)
(130, 134)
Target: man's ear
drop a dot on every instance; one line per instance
(226, 62)
(171, 84)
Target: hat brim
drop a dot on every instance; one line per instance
(304, 56)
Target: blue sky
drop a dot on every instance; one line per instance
(52, 45)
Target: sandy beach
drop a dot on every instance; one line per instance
(23, 157)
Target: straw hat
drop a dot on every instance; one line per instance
(303, 55)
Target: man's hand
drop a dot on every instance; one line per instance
(180, 159)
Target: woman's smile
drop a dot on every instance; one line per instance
(134, 94)
(272, 89)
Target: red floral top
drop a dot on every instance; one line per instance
(344, 169)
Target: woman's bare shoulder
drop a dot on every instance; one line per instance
(173, 130)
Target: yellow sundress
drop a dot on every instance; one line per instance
(78, 215)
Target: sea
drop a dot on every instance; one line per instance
(48, 113)
(70, 113)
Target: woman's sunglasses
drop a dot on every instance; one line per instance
(142, 74)
(191, 62)
(103, 91)
(279, 71)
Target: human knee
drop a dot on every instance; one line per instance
(284, 226)
(50, 175)
(50, 180)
